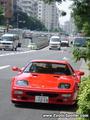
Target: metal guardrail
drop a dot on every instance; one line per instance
(38, 41)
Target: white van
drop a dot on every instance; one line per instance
(55, 43)
(9, 41)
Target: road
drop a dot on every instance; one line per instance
(30, 111)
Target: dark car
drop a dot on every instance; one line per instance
(79, 42)
(64, 42)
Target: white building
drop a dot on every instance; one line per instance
(48, 14)
(69, 26)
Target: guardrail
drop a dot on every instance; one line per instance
(37, 42)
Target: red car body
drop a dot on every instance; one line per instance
(45, 87)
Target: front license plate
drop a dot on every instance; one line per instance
(41, 99)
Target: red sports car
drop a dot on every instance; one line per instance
(46, 81)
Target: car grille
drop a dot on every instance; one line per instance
(42, 94)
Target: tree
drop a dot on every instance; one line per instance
(1, 10)
(81, 9)
(22, 20)
(81, 14)
(1, 15)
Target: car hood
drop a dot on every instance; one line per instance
(45, 80)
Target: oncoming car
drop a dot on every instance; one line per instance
(45, 81)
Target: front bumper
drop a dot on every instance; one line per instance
(54, 46)
(5, 46)
(49, 97)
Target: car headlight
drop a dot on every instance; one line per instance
(22, 83)
(64, 86)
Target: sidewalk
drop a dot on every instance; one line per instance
(84, 68)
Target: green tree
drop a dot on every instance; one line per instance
(1, 16)
(81, 14)
(22, 20)
(1, 10)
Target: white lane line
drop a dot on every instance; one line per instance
(65, 58)
(3, 67)
(7, 54)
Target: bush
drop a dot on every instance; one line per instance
(84, 100)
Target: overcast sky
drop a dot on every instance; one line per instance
(65, 7)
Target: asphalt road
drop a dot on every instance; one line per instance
(30, 111)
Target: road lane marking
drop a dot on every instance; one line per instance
(17, 53)
(3, 67)
(65, 58)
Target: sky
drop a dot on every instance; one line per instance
(65, 7)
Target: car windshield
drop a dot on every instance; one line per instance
(80, 42)
(48, 68)
(7, 38)
(55, 39)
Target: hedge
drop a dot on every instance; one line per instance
(84, 100)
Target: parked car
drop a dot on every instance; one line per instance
(55, 43)
(46, 81)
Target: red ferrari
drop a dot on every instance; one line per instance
(46, 81)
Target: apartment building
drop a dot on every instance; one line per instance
(48, 15)
(69, 26)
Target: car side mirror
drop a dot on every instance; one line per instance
(79, 72)
(16, 69)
